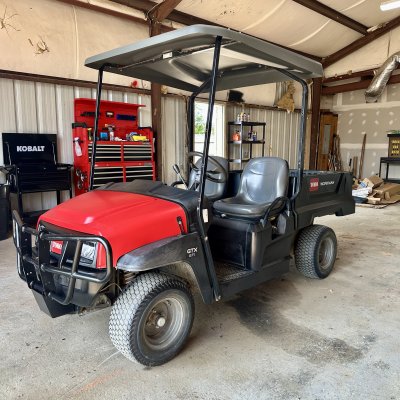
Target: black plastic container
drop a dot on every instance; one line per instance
(4, 211)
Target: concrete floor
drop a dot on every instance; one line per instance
(291, 338)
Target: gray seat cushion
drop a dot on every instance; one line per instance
(240, 207)
(264, 179)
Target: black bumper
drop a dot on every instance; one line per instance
(59, 284)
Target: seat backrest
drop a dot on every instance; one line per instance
(214, 191)
(264, 179)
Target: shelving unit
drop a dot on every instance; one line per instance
(237, 148)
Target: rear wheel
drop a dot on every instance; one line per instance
(152, 318)
(315, 251)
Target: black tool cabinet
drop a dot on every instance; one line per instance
(31, 167)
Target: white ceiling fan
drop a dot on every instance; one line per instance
(389, 5)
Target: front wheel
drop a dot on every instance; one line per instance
(152, 318)
(315, 251)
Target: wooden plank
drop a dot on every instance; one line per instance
(355, 165)
(362, 157)
(359, 43)
(334, 15)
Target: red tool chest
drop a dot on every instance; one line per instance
(117, 160)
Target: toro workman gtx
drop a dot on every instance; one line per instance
(145, 247)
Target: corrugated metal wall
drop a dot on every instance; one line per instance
(281, 138)
(33, 107)
(282, 131)
(173, 122)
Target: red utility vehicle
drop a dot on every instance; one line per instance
(145, 247)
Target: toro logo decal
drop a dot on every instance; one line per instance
(56, 246)
(314, 184)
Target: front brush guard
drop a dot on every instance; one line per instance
(33, 259)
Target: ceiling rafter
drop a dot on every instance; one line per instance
(359, 80)
(361, 84)
(359, 43)
(334, 15)
(349, 75)
(161, 11)
(176, 16)
(114, 13)
(146, 5)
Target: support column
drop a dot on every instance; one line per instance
(155, 29)
(315, 118)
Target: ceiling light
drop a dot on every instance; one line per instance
(390, 5)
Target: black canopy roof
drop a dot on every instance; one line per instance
(183, 59)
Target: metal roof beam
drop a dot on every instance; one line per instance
(350, 87)
(176, 16)
(161, 11)
(359, 43)
(350, 75)
(105, 10)
(334, 15)
(146, 5)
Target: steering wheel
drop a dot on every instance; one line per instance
(210, 175)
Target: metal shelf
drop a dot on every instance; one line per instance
(388, 161)
(246, 141)
(236, 152)
(246, 123)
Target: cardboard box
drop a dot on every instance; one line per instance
(387, 190)
(373, 181)
(394, 199)
(373, 200)
(387, 193)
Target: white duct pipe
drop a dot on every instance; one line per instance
(381, 78)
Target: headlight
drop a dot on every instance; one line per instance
(88, 251)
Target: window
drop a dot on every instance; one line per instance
(217, 141)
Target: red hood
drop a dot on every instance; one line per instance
(126, 220)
